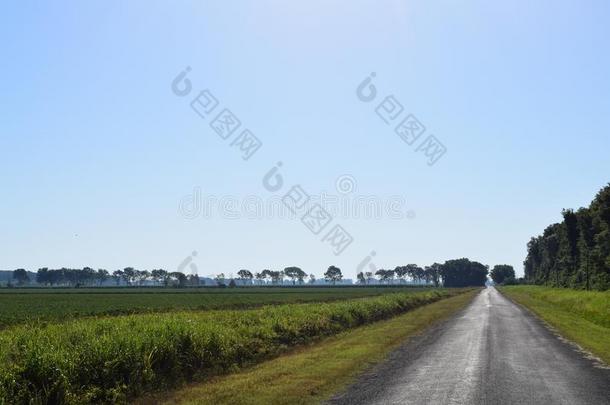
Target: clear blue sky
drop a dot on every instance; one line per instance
(97, 151)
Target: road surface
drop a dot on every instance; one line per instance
(492, 352)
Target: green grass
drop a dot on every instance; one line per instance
(114, 358)
(18, 306)
(580, 316)
(313, 373)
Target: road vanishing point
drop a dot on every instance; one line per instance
(492, 352)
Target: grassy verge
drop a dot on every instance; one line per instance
(581, 316)
(113, 359)
(312, 374)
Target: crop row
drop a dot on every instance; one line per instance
(112, 359)
(18, 306)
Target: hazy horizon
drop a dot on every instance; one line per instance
(100, 155)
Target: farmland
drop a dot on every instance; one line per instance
(115, 358)
(28, 305)
(314, 373)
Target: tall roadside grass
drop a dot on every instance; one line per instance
(110, 360)
(593, 306)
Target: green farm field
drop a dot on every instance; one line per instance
(182, 336)
(48, 305)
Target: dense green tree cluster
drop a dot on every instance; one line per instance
(463, 273)
(576, 252)
(21, 276)
(452, 273)
(503, 273)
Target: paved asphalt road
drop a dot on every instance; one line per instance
(492, 352)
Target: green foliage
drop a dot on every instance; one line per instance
(333, 274)
(245, 274)
(295, 273)
(576, 252)
(19, 306)
(593, 306)
(89, 276)
(463, 272)
(113, 359)
(434, 273)
(503, 273)
(385, 275)
(21, 276)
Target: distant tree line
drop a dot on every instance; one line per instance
(575, 252)
(130, 276)
(295, 274)
(453, 273)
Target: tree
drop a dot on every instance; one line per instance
(141, 276)
(220, 279)
(160, 276)
(117, 276)
(401, 272)
(301, 276)
(369, 276)
(312, 278)
(295, 273)
(333, 274)
(434, 273)
(575, 252)
(232, 284)
(277, 277)
(502, 272)
(361, 278)
(385, 275)
(101, 276)
(193, 279)
(21, 276)
(463, 273)
(415, 272)
(267, 274)
(586, 245)
(43, 276)
(129, 275)
(179, 278)
(85, 276)
(245, 275)
(260, 277)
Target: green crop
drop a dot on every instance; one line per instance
(113, 359)
(19, 306)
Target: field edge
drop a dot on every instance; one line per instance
(585, 335)
(314, 373)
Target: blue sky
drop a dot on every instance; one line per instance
(97, 151)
